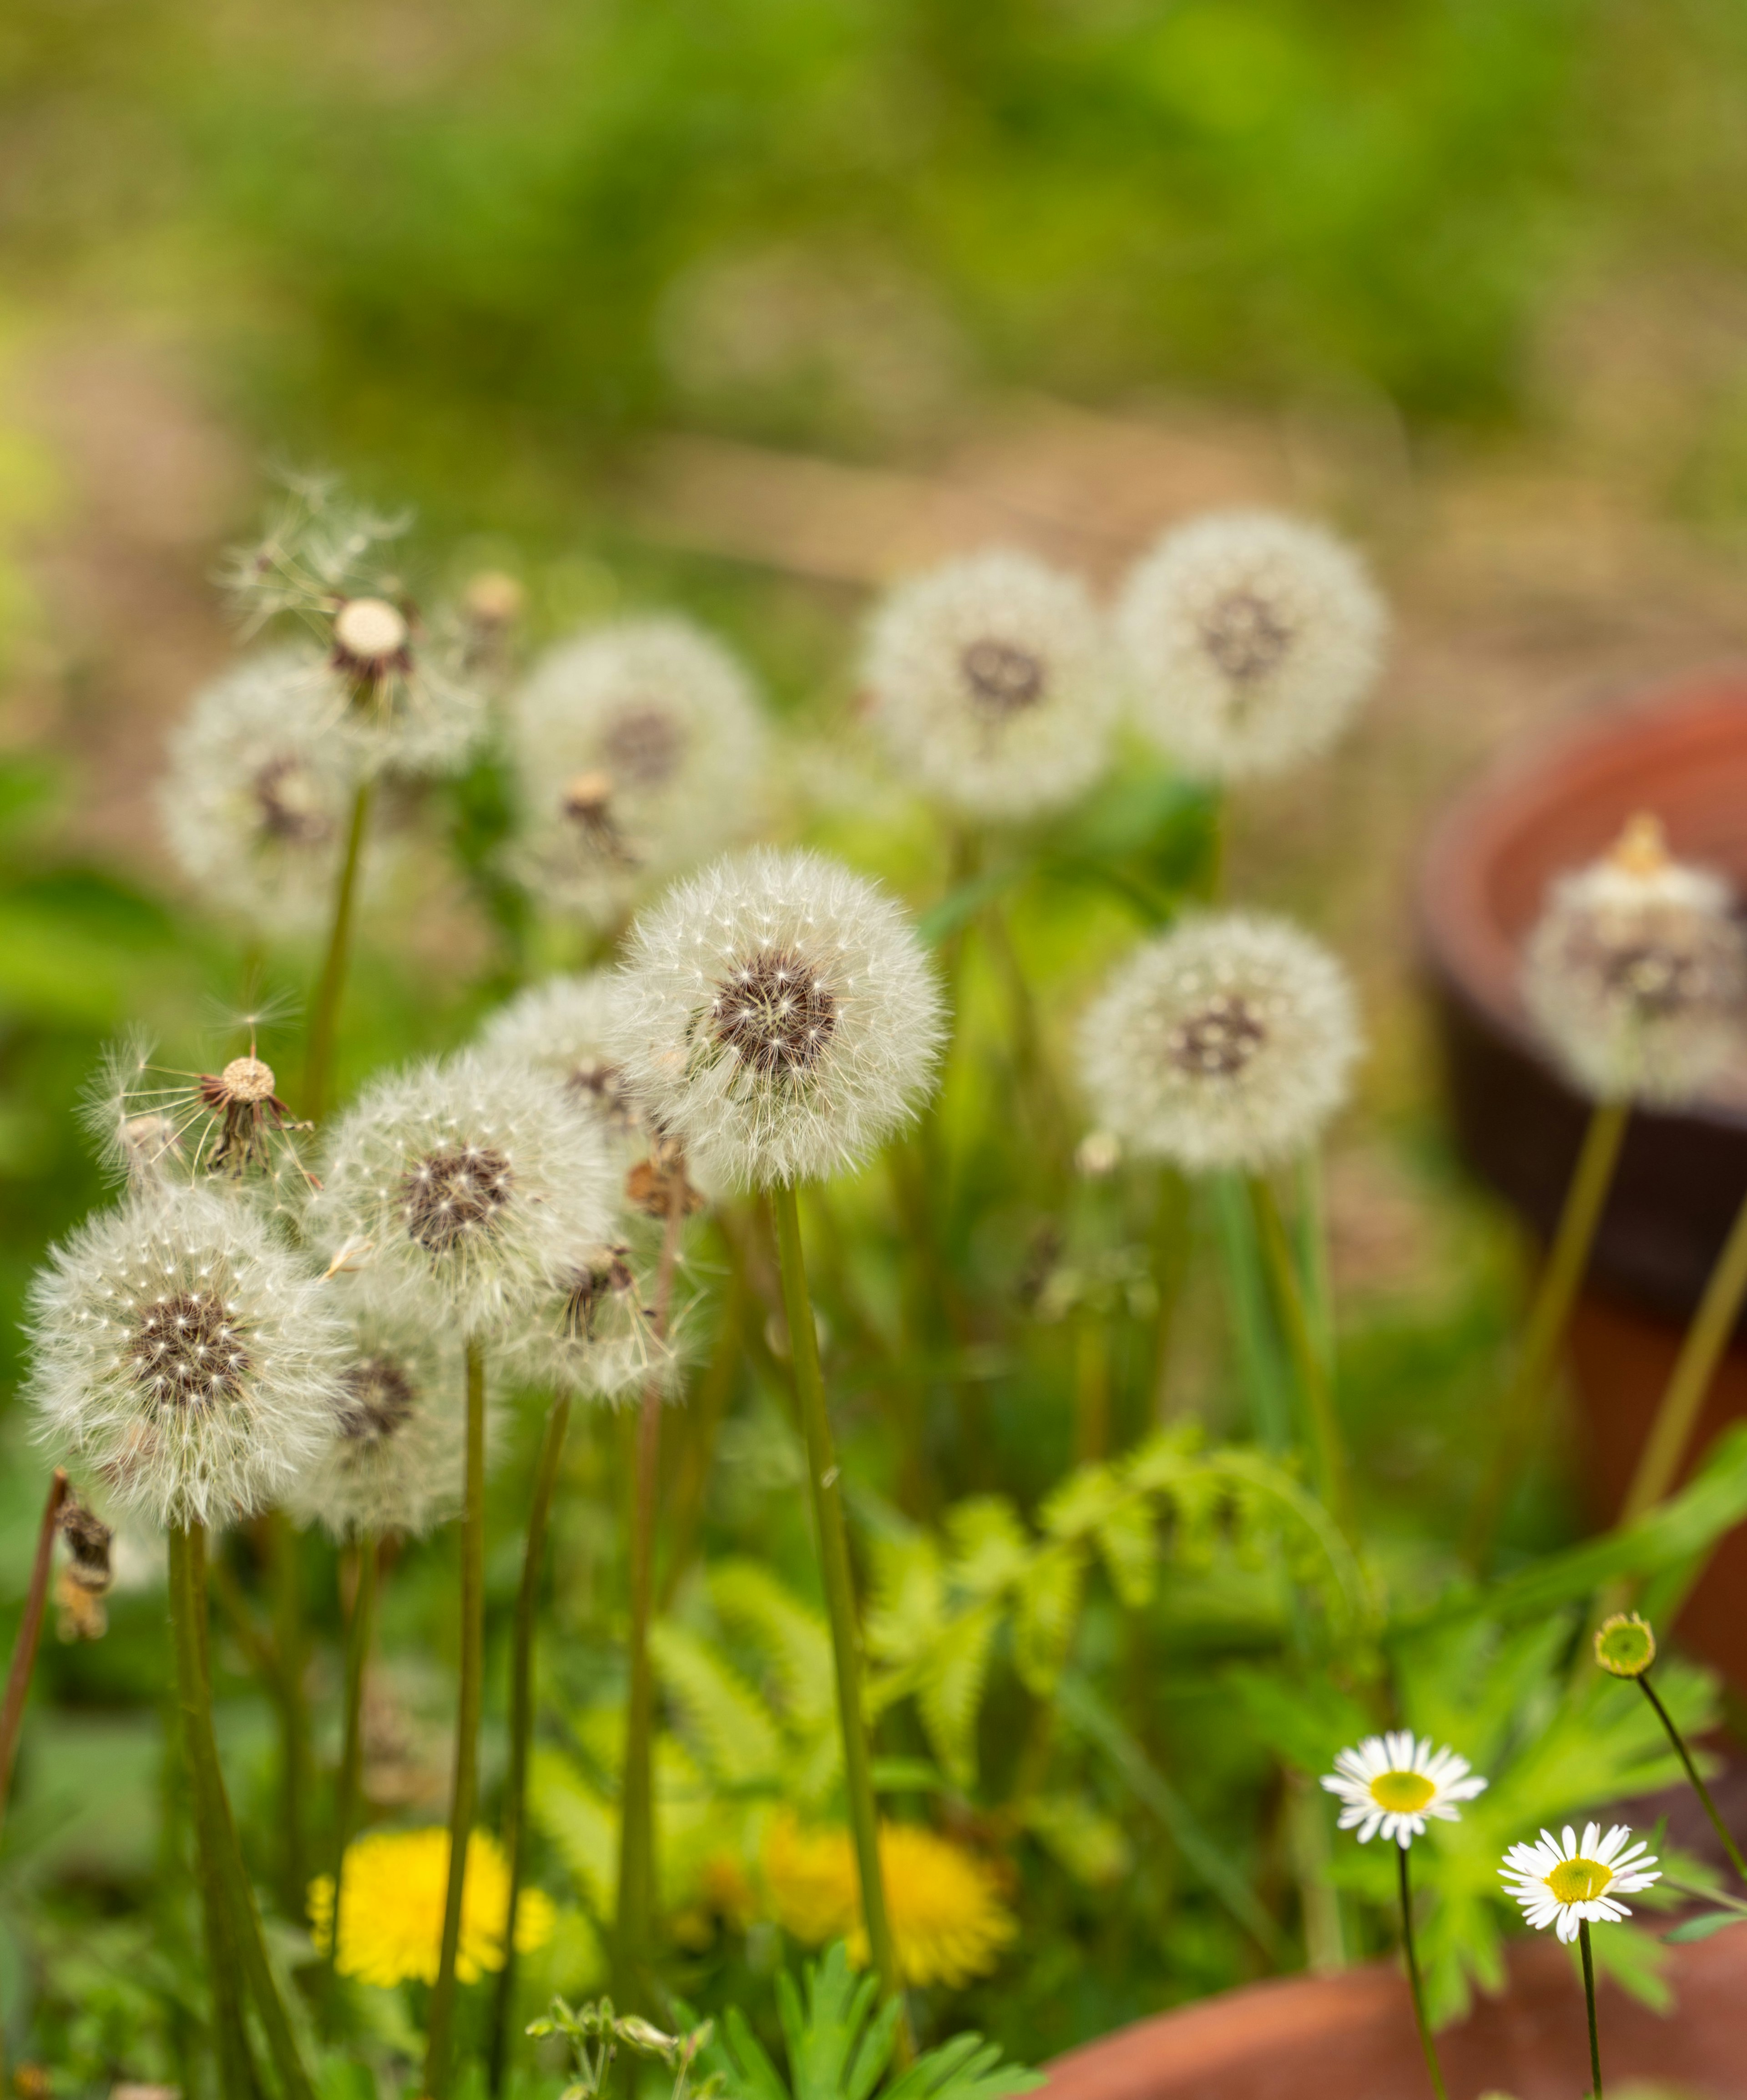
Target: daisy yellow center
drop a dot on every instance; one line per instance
(1401, 1792)
(1579, 1881)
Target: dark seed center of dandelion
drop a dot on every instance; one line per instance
(1246, 636)
(601, 1087)
(1002, 678)
(380, 1398)
(644, 744)
(774, 1014)
(185, 1349)
(607, 1272)
(1660, 979)
(286, 798)
(1219, 1041)
(452, 1194)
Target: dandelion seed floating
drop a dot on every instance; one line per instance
(640, 749)
(1251, 639)
(992, 682)
(1636, 971)
(183, 1354)
(780, 1019)
(1226, 1042)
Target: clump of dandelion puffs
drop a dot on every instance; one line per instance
(594, 1332)
(1250, 638)
(1636, 971)
(639, 749)
(780, 1018)
(391, 1911)
(1390, 1784)
(992, 681)
(1226, 1042)
(185, 1356)
(465, 1186)
(1564, 1883)
(560, 1026)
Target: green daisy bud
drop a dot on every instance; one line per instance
(1625, 1647)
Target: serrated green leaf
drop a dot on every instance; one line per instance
(791, 1636)
(950, 1694)
(584, 1829)
(1127, 1540)
(721, 1717)
(1091, 1845)
(991, 1546)
(908, 1608)
(1046, 1615)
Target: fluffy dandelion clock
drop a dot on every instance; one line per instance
(1390, 1784)
(393, 1461)
(992, 682)
(560, 1026)
(780, 1018)
(1636, 971)
(639, 749)
(1563, 1883)
(1250, 638)
(466, 1186)
(1227, 1042)
(185, 1357)
(594, 1331)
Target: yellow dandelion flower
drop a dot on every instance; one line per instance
(948, 1918)
(391, 1915)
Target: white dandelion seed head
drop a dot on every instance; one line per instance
(185, 1357)
(1227, 1041)
(1250, 638)
(1636, 971)
(594, 1332)
(640, 748)
(1564, 1882)
(257, 795)
(992, 682)
(781, 1019)
(560, 1026)
(396, 1447)
(1391, 1785)
(464, 1186)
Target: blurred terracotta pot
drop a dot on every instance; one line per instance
(1681, 752)
(1351, 2037)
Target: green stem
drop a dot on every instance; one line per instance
(230, 2037)
(521, 1717)
(1525, 1397)
(1699, 1786)
(242, 1922)
(1414, 1984)
(826, 1480)
(1091, 1389)
(439, 2044)
(1307, 1361)
(346, 1785)
(285, 1551)
(325, 1010)
(1589, 1994)
(1170, 1261)
(1036, 1081)
(1678, 1411)
(29, 1635)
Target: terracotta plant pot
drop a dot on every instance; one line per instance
(1351, 2037)
(1680, 752)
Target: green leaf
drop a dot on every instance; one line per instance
(908, 1608)
(724, 1718)
(834, 2052)
(951, 1692)
(1091, 1845)
(991, 1546)
(792, 1638)
(965, 2068)
(1703, 1926)
(1048, 1613)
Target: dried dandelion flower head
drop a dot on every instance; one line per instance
(184, 1356)
(560, 1026)
(394, 1456)
(992, 682)
(1636, 970)
(258, 793)
(394, 1886)
(464, 1186)
(780, 1018)
(640, 748)
(1251, 639)
(400, 697)
(1228, 1042)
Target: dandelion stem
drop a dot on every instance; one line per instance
(1038, 1090)
(29, 1633)
(1525, 1398)
(1170, 1260)
(1589, 1994)
(1677, 1412)
(358, 1628)
(439, 2044)
(325, 1013)
(1414, 1984)
(285, 1556)
(521, 1717)
(1308, 1363)
(1699, 1786)
(826, 1481)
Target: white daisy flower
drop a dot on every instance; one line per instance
(992, 682)
(1228, 1041)
(1636, 971)
(781, 1019)
(639, 749)
(1251, 639)
(1563, 1883)
(1392, 1784)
